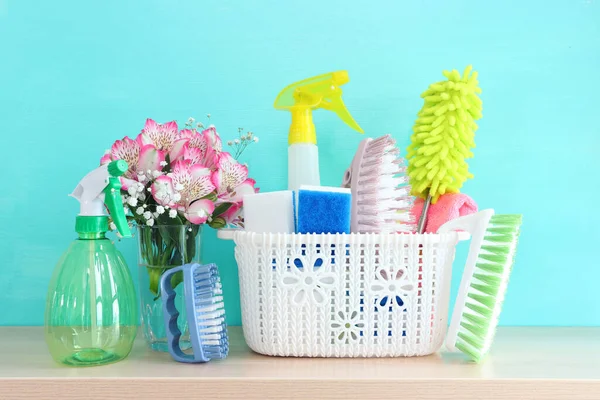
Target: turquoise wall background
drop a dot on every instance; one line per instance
(75, 76)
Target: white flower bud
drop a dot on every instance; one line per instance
(147, 215)
(141, 178)
(160, 209)
(156, 174)
(255, 139)
(150, 222)
(113, 227)
(177, 196)
(163, 163)
(236, 141)
(229, 143)
(172, 213)
(132, 190)
(132, 201)
(140, 210)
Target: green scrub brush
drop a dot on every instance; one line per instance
(443, 136)
(483, 285)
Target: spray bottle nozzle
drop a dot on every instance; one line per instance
(99, 187)
(302, 97)
(117, 168)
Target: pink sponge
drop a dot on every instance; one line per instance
(449, 206)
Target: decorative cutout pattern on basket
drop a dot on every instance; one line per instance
(346, 327)
(307, 280)
(344, 295)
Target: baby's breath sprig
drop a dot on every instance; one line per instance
(193, 126)
(144, 209)
(240, 144)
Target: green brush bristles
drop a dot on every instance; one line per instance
(443, 135)
(488, 286)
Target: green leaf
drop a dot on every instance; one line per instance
(222, 208)
(167, 168)
(190, 243)
(164, 219)
(176, 279)
(176, 259)
(212, 196)
(217, 223)
(154, 274)
(166, 234)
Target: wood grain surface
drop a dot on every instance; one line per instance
(525, 363)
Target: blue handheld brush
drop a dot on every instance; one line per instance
(205, 313)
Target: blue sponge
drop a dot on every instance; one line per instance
(323, 210)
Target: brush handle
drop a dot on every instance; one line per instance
(170, 314)
(423, 217)
(351, 179)
(476, 224)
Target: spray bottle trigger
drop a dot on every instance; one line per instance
(337, 105)
(112, 199)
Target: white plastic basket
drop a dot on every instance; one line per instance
(357, 295)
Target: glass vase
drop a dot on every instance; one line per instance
(162, 247)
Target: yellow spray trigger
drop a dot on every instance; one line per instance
(300, 98)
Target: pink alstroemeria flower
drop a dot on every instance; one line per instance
(164, 138)
(199, 211)
(178, 149)
(184, 189)
(161, 136)
(201, 147)
(150, 159)
(231, 180)
(106, 158)
(129, 151)
(195, 139)
(213, 139)
(234, 215)
(196, 156)
(156, 141)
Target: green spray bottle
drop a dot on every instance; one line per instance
(91, 309)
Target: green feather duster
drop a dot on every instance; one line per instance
(443, 135)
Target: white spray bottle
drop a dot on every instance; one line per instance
(301, 98)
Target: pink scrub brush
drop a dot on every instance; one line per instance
(381, 200)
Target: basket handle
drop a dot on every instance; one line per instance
(476, 224)
(227, 234)
(170, 314)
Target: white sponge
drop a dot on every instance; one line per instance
(271, 212)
